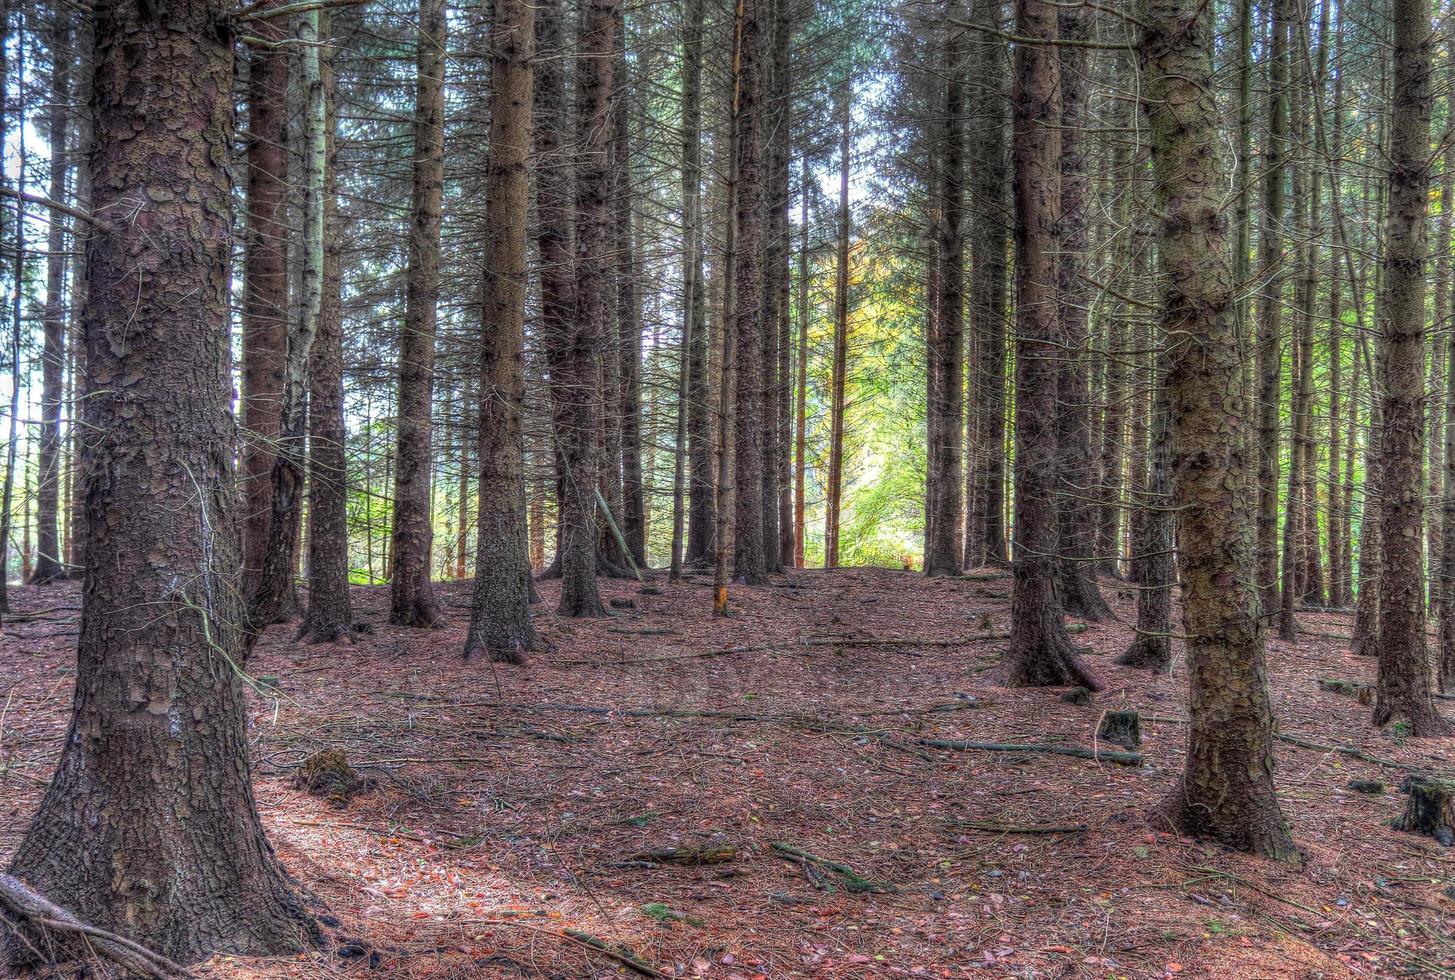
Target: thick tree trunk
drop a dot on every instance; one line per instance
(48, 564)
(777, 521)
(1041, 652)
(412, 601)
(1404, 690)
(576, 383)
(500, 625)
(747, 323)
(149, 828)
(329, 615)
(1075, 571)
(943, 550)
(265, 281)
(1227, 790)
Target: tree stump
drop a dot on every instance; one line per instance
(328, 775)
(1430, 809)
(1122, 728)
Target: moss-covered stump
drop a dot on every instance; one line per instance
(1122, 728)
(1430, 809)
(327, 775)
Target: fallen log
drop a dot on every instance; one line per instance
(1075, 751)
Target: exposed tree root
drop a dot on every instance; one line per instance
(41, 931)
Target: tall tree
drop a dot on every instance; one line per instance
(575, 382)
(48, 564)
(412, 599)
(834, 490)
(1404, 690)
(1041, 652)
(500, 623)
(1226, 792)
(943, 551)
(265, 283)
(747, 323)
(1076, 569)
(329, 615)
(149, 827)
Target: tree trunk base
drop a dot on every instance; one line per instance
(1122, 728)
(1147, 653)
(1430, 809)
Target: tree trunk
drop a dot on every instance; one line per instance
(329, 616)
(1404, 664)
(84, 47)
(1151, 648)
(149, 827)
(265, 286)
(412, 601)
(500, 625)
(576, 382)
(1075, 570)
(628, 316)
(943, 555)
(48, 564)
(747, 323)
(1227, 789)
(988, 233)
(1270, 314)
(1041, 652)
(800, 413)
(834, 490)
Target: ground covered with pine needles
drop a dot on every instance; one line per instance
(667, 794)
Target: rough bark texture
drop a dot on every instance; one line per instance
(1404, 689)
(265, 287)
(1075, 572)
(834, 489)
(633, 513)
(148, 827)
(691, 348)
(412, 601)
(1270, 313)
(329, 614)
(1152, 646)
(500, 623)
(749, 558)
(1227, 789)
(577, 381)
(989, 231)
(1041, 652)
(48, 564)
(943, 554)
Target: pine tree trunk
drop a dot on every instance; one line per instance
(628, 317)
(84, 46)
(1041, 652)
(1075, 571)
(1404, 664)
(1270, 314)
(834, 490)
(412, 601)
(329, 615)
(265, 283)
(1227, 789)
(691, 66)
(149, 827)
(576, 380)
(48, 564)
(1151, 648)
(500, 625)
(989, 231)
(800, 414)
(946, 353)
(749, 560)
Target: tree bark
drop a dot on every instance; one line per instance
(1404, 690)
(412, 601)
(149, 827)
(500, 625)
(834, 490)
(1041, 652)
(943, 551)
(265, 286)
(49, 566)
(329, 615)
(1227, 790)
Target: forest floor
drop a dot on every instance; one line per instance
(509, 829)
